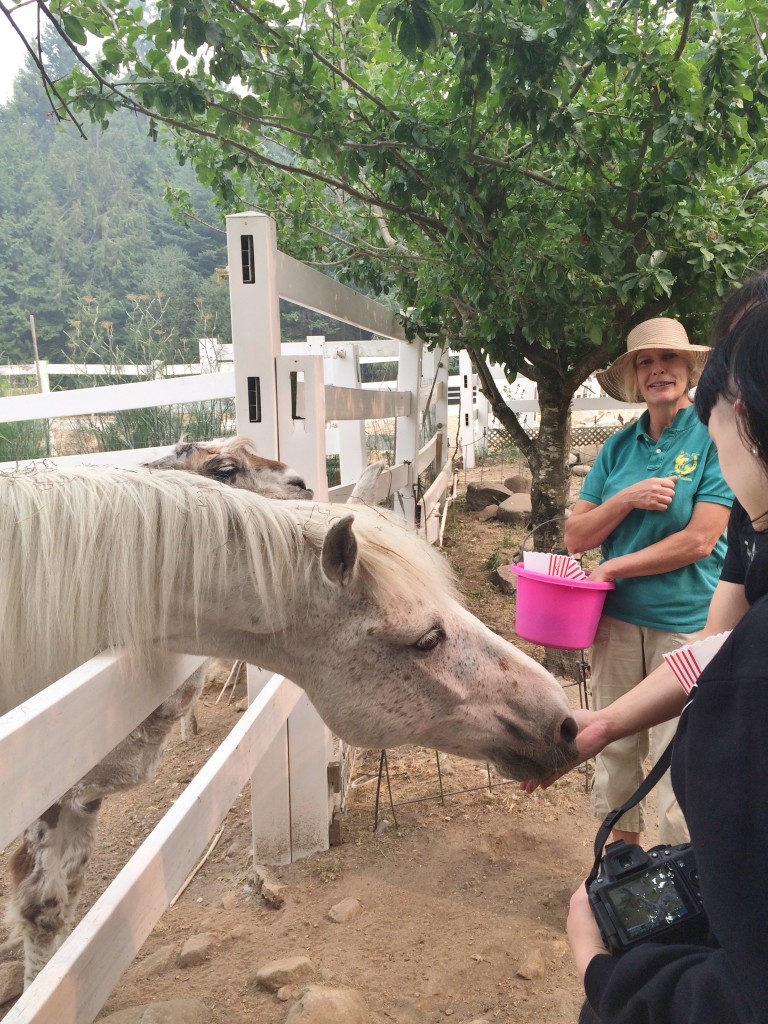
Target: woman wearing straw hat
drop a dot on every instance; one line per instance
(656, 503)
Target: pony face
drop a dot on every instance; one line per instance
(405, 662)
(235, 462)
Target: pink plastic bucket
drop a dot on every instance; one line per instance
(557, 612)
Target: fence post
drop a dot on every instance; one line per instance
(301, 418)
(267, 412)
(270, 789)
(408, 428)
(342, 368)
(435, 373)
(467, 411)
(255, 310)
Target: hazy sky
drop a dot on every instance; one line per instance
(12, 51)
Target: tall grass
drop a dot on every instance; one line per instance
(27, 439)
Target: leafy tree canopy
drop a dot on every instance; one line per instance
(528, 179)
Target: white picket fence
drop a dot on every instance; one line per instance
(283, 402)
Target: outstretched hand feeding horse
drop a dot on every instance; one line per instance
(354, 608)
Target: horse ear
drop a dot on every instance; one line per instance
(364, 491)
(339, 556)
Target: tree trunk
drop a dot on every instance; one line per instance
(547, 454)
(549, 466)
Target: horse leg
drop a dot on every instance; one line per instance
(47, 873)
(48, 869)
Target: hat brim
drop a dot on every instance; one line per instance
(611, 380)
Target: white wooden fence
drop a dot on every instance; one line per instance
(47, 744)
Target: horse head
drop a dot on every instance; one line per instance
(388, 655)
(235, 461)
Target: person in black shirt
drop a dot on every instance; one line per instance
(720, 758)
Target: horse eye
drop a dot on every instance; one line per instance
(431, 639)
(224, 473)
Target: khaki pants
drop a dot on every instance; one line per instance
(623, 655)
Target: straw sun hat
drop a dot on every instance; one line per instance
(660, 332)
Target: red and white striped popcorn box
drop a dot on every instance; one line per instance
(568, 568)
(689, 662)
(562, 566)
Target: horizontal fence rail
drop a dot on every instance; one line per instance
(79, 978)
(57, 724)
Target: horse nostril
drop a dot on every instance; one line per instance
(569, 730)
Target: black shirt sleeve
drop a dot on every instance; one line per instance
(736, 562)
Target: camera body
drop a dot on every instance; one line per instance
(641, 896)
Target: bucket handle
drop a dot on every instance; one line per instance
(554, 519)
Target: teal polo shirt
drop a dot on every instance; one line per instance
(675, 601)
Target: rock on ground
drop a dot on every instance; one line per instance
(320, 1005)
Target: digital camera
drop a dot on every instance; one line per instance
(641, 896)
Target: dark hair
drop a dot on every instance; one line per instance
(738, 368)
(752, 292)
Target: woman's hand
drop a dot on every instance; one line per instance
(591, 738)
(603, 573)
(583, 933)
(654, 494)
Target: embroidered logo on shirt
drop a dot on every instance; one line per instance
(686, 464)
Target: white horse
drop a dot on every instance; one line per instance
(48, 868)
(354, 608)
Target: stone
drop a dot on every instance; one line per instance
(580, 470)
(515, 509)
(154, 964)
(291, 970)
(173, 1011)
(485, 515)
(505, 579)
(479, 496)
(320, 1005)
(519, 483)
(11, 980)
(195, 950)
(532, 967)
(345, 910)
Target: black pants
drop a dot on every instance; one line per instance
(588, 1015)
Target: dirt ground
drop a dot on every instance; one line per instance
(463, 900)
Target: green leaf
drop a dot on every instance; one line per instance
(74, 29)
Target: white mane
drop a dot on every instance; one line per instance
(93, 558)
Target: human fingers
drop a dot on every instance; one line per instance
(531, 785)
(583, 933)
(590, 727)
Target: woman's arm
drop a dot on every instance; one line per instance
(684, 547)
(656, 699)
(589, 524)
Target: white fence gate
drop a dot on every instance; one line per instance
(47, 744)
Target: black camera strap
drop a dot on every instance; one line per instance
(644, 789)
